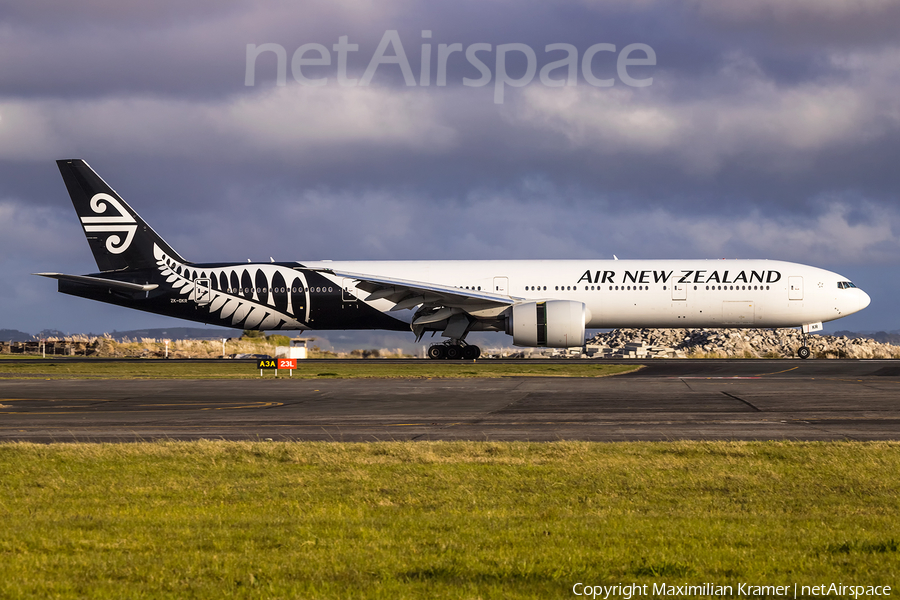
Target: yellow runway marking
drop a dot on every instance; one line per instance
(428, 424)
(777, 372)
(74, 408)
(254, 405)
(757, 376)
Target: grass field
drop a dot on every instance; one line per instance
(440, 520)
(162, 369)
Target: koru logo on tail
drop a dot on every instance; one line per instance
(106, 205)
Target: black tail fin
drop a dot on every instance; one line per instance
(119, 238)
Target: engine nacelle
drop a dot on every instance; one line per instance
(551, 324)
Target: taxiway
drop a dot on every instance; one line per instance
(667, 400)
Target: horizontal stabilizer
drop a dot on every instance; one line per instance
(101, 282)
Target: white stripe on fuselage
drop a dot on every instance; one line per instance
(639, 293)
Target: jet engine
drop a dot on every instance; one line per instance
(553, 324)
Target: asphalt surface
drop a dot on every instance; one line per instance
(667, 400)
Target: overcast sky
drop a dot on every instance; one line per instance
(765, 129)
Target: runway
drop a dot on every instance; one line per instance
(667, 400)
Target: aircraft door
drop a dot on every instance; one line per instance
(348, 290)
(679, 291)
(795, 288)
(202, 292)
(501, 285)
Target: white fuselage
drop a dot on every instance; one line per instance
(643, 293)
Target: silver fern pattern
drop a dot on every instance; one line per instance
(254, 296)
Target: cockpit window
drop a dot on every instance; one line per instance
(846, 285)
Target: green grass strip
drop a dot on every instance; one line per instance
(440, 519)
(162, 369)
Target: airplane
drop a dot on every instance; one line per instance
(540, 303)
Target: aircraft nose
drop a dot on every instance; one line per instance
(864, 300)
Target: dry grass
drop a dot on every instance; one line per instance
(106, 347)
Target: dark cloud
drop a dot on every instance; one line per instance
(805, 25)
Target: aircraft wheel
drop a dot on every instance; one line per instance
(437, 352)
(471, 352)
(454, 352)
(803, 352)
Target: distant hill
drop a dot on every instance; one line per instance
(14, 335)
(885, 337)
(176, 333)
(172, 333)
(50, 333)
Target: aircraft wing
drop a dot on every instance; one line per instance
(437, 303)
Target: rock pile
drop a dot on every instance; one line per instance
(736, 343)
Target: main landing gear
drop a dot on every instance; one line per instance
(454, 350)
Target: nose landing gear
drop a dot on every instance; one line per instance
(803, 351)
(454, 350)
